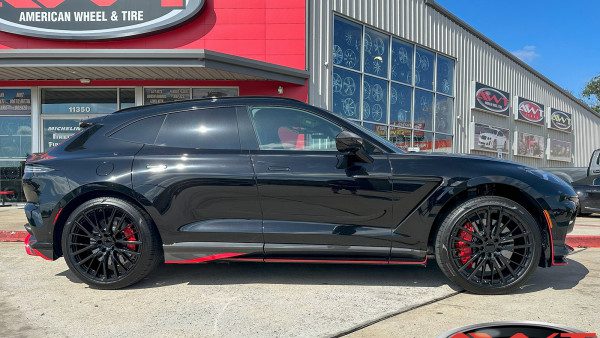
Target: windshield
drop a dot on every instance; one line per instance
(369, 132)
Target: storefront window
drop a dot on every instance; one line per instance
(445, 75)
(423, 110)
(398, 86)
(402, 61)
(15, 136)
(57, 131)
(443, 143)
(10, 180)
(376, 53)
(400, 103)
(424, 66)
(126, 98)
(347, 44)
(378, 129)
(346, 93)
(375, 100)
(79, 101)
(203, 93)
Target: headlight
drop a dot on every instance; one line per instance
(37, 169)
(545, 175)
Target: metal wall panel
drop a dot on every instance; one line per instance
(476, 61)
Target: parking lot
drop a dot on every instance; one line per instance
(253, 299)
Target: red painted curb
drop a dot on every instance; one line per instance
(12, 236)
(583, 241)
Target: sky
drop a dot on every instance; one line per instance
(560, 39)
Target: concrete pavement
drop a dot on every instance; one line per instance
(258, 300)
(567, 295)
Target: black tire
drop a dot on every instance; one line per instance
(110, 257)
(508, 250)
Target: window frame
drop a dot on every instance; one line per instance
(361, 72)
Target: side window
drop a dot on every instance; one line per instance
(141, 131)
(281, 128)
(212, 128)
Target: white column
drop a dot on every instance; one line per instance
(36, 120)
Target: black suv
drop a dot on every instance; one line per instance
(276, 180)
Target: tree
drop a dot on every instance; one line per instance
(591, 93)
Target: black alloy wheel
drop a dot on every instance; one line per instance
(489, 245)
(109, 243)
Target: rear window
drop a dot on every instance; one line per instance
(141, 131)
(211, 128)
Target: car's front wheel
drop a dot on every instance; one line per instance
(488, 245)
(110, 244)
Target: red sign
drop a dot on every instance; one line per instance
(529, 111)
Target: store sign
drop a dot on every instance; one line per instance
(15, 101)
(560, 150)
(560, 120)
(93, 19)
(491, 99)
(164, 95)
(529, 111)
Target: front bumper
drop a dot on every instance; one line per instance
(561, 221)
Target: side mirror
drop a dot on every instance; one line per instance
(352, 146)
(348, 142)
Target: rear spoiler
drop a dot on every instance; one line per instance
(90, 122)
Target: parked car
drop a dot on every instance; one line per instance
(585, 181)
(492, 138)
(260, 179)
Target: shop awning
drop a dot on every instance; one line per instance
(138, 64)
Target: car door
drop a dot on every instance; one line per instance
(312, 208)
(200, 185)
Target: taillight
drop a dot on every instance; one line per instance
(39, 157)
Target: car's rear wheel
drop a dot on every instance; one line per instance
(110, 244)
(488, 245)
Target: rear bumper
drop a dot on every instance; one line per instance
(39, 241)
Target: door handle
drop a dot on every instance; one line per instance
(277, 168)
(156, 167)
(597, 171)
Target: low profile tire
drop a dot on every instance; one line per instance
(110, 244)
(488, 245)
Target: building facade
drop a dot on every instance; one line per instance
(408, 69)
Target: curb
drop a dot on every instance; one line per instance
(581, 241)
(12, 236)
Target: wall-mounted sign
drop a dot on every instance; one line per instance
(560, 150)
(93, 19)
(529, 145)
(529, 111)
(490, 99)
(164, 95)
(560, 120)
(489, 138)
(15, 101)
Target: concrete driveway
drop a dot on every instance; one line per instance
(237, 299)
(264, 300)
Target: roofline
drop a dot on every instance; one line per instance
(150, 58)
(433, 4)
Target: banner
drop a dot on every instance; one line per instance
(529, 145)
(560, 120)
(529, 111)
(560, 150)
(490, 99)
(489, 138)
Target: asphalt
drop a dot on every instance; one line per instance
(257, 300)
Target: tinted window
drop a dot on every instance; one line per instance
(291, 129)
(142, 131)
(213, 128)
(424, 68)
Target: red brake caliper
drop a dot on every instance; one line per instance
(464, 251)
(129, 235)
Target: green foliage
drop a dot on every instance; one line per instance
(591, 93)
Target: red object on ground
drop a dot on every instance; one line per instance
(13, 236)
(584, 241)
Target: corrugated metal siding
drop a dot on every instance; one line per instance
(476, 61)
